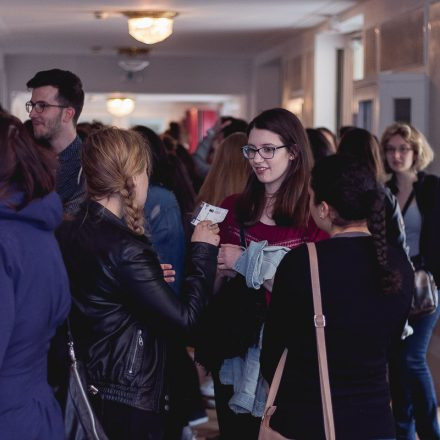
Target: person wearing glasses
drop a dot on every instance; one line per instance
(273, 208)
(407, 153)
(54, 108)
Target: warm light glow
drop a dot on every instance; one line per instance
(120, 107)
(150, 30)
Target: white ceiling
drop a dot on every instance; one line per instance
(226, 27)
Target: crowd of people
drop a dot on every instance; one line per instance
(97, 245)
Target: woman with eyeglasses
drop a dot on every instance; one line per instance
(274, 208)
(407, 153)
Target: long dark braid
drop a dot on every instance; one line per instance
(351, 189)
(390, 280)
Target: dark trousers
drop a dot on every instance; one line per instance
(412, 388)
(232, 426)
(123, 422)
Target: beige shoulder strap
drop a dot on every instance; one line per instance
(319, 320)
(276, 380)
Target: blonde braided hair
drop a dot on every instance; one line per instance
(111, 157)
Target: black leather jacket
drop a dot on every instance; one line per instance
(123, 311)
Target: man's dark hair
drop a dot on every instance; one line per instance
(70, 90)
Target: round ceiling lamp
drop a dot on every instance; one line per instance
(120, 106)
(150, 27)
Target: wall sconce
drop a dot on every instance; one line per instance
(150, 27)
(120, 106)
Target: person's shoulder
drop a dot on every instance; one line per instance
(313, 233)
(230, 201)
(428, 180)
(160, 195)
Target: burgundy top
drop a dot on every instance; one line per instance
(288, 236)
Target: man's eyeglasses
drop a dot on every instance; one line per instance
(266, 152)
(40, 106)
(401, 150)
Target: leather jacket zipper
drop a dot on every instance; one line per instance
(139, 343)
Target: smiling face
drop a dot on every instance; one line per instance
(399, 154)
(270, 172)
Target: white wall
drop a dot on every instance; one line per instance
(4, 101)
(325, 63)
(100, 73)
(268, 86)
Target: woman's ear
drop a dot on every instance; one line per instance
(324, 210)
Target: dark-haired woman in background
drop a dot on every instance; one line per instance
(320, 145)
(361, 145)
(272, 207)
(34, 290)
(366, 293)
(407, 153)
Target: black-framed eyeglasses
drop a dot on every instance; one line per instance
(400, 150)
(40, 106)
(266, 152)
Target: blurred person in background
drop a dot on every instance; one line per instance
(319, 144)
(224, 127)
(407, 153)
(228, 173)
(360, 144)
(330, 136)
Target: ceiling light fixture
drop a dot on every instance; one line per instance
(150, 27)
(120, 106)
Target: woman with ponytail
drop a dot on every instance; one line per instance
(123, 310)
(366, 294)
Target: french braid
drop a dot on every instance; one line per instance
(111, 158)
(132, 214)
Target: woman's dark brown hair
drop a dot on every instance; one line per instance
(350, 188)
(24, 166)
(363, 146)
(291, 200)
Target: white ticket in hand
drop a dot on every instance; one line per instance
(209, 212)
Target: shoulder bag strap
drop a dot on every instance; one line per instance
(276, 380)
(319, 320)
(408, 202)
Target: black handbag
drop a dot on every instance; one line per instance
(80, 422)
(425, 299)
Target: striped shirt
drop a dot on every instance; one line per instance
(69, 180)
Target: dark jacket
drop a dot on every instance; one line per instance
(363, 324)
(123, 310)
(34, 301)
(427, 194)
(395, 228)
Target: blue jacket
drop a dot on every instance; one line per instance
(34, 301)
(165, 229)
